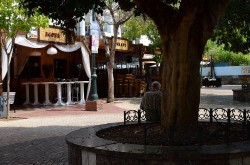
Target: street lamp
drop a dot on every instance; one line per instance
(94, 30)
(94, 95)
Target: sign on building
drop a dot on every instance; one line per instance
(94, 31)
(122, 44)
(52, 34)
(245, 70)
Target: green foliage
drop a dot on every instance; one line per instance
(224, 56)
(212, 48)
(152, 33)
(133, 28)
(141, 25)
(14, 20)
(129, 5)
(64, 13)
(219, 54)
(233, 30)
(157, 59)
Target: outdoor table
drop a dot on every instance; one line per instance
(36, 102)
(47, 101)
(27, 91)
(59, 93)
(82, 99)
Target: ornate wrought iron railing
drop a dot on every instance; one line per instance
(134, 116)
(204, 114)
(224, 125)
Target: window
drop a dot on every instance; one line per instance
(60, 68)
(87, 30)
(107, 28)
(32, 68)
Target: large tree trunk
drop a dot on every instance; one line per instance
(184, 33)
(181, 84)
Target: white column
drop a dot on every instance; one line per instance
(69, 100)
(27, 92)
(59, 93)
(82, 99)
(36, 102)
(47, 101)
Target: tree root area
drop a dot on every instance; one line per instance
(204, 133)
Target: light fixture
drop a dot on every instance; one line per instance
(52, 51)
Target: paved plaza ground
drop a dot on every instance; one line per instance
(36, 135)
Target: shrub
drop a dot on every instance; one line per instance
(219, 54)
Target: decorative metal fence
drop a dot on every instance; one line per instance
(204, 114)
(224, 115)
(133, 116)
(215, 126)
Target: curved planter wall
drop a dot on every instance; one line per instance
(85, 148)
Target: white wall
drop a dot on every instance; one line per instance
(227, 70)
(106, 18)
(80, 28)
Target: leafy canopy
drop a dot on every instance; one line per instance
(67, 13)
(220, 54)
(233, 29)
(142, 25)
(64, 13)
(13, 19)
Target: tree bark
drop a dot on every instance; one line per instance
(110, 55)
(110, 65)
(184, 33)
(181, 85)
(8, 85)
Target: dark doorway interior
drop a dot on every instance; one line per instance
(60, 68)
(32, 68)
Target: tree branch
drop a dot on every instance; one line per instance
(155, 9)
(111, 13)
(105, 40)
(125, 18)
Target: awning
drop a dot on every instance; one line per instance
(148, 56)
(153, 66)
(204, 62)
(149, 62)
(21, 40)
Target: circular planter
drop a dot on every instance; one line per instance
(85, 148)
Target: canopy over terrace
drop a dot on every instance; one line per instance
(22, 41)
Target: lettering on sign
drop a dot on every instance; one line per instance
(52, 34)
(121, 44)
(245, 70)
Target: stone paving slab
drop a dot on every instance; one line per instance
(40, 137)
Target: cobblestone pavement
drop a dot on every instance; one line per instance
(35, 136)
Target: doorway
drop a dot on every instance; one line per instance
(60, 68)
